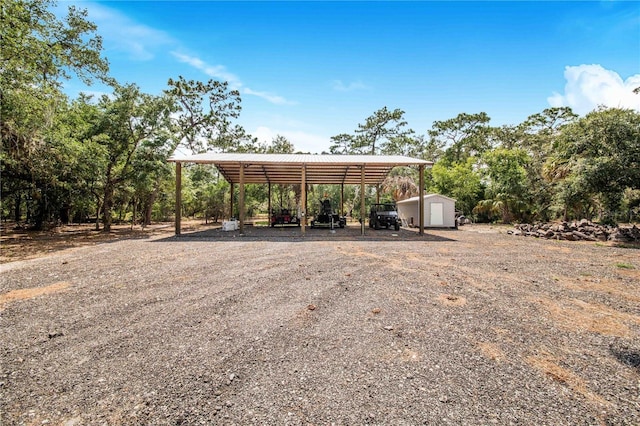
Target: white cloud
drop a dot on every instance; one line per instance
(302, 141)
(121, 33)
(274, 99)
(339, 86)
(220, 72)
(213, 71)
(590, 86)
(264, 134)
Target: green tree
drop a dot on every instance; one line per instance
(203, 115)
(342, 144)
(407, 145)
(123, 123)
(600, 155)
(466, 135)
(375, 135)
(279, 145)
(38, 52)
(287, 196)
(537, 136)
(379, 129)
(85, 158)
(460, 181)
(151, 172)
(506, 190)
(208, 192)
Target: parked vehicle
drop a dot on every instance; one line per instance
(326, 217)
(384, 215)
(284, 217)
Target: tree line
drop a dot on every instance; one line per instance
(105, 159)
(554, 165)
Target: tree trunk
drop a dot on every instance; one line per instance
(65, 214)
(17, 213)
(135, 211)
(152, 199)
(107, 206)
(121, 211)
(40, 214)
(107, 201)
(98, 210)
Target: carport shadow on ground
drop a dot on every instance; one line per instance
(294, 234)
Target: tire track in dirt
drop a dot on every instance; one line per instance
(578, 316)
(548, 364)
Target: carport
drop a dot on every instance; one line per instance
(303, 169)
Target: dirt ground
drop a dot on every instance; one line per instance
(469, 326)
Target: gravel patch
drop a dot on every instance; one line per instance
(458, 327)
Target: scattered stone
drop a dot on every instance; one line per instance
(582, 236)
(584, 230)
(311, 307)
(73, 421)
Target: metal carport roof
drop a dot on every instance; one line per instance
(287, 168)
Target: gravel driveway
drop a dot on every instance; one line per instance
(458, 327)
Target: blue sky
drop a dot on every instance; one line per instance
(311, 70)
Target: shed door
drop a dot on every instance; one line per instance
(437, 214)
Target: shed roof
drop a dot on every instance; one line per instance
(426, 196)
(287, 168)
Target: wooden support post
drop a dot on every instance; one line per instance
(342, 200)
(421, 197)
(377, 194)
(241, 199)
(303, 199)
(269, 204)
(362, 217)
(231, 201)
(178, 197)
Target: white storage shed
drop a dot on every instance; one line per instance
(439, 211)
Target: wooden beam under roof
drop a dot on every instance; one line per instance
(287, 168)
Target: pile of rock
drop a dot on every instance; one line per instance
(583, 230)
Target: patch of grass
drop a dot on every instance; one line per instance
(635, 246)
(623, 265)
